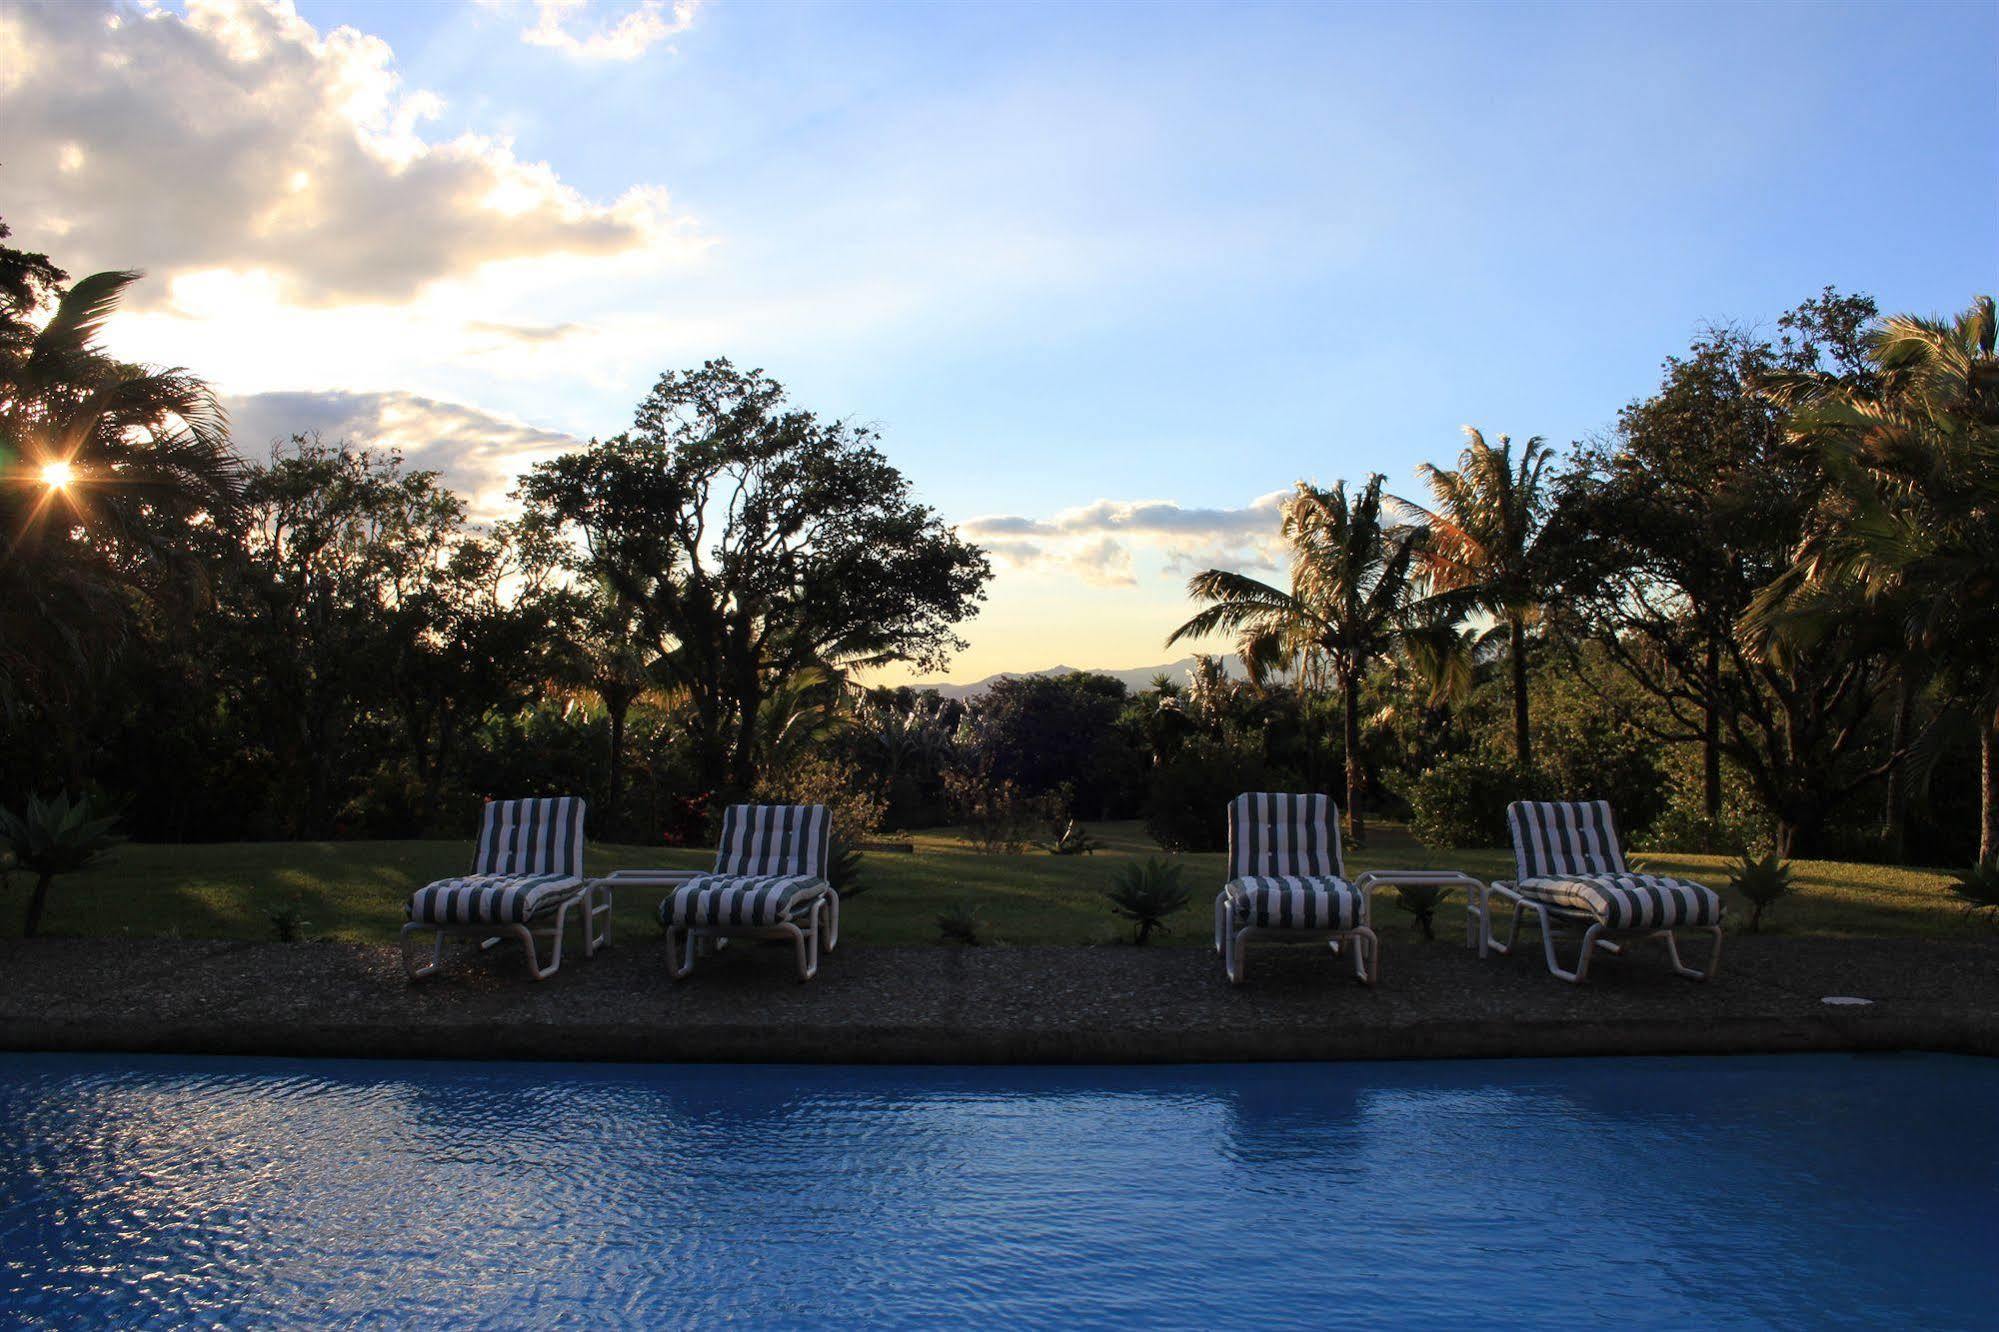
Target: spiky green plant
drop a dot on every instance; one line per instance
(55, 837)
(1146, 893)
(1761, 880)
(288, 921)
(1978, 889)
(961, 923)
(1421, 900)
(843, 867)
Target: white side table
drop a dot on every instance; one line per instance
(1476, 933)
(668, 879)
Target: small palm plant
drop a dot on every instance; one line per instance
(962, 924)
(1762, 881)
(1146, 894)
(1978, 889)
(1421, 900)
(54, 837)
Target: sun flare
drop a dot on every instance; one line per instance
(58, 474)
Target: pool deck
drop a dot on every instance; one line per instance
(990, 1005)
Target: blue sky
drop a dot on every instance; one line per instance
(1077, 258)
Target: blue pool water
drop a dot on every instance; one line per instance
(1800, 1191)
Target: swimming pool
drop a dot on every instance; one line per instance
(1794, 1191)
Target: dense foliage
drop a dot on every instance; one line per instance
(1757, 612)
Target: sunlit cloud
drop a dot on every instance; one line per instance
(1098, 542)
(266, 151)
(625, 38)
(479, 454)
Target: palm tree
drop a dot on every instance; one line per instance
(1915, 461)
(107, 470)
(1349, 601)
(1483, 545)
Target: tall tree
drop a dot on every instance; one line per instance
(1485, 527)
(1913, 524)
(755, 540)
(1350, 601)
(1665, 533)
(110, 473)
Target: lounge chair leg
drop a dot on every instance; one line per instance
(1581, 972)
(436, 951)
(832, 920)
(526, 936)
(679, 953)
(805, 944)
(1713, 962)
(1235, 959)
(1366, 955)
(1221, 924)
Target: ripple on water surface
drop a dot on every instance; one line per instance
(1799, 1191)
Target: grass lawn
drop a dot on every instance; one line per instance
(356, 890)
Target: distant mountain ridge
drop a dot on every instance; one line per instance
(1135, 678)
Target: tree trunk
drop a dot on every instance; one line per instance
(615, 823)
(1893, 816)
(1988, 798)
(1350, 732)
(1711, 735)
(36, 903)
(1517, 631)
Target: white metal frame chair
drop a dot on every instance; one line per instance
(769, 882)
(527, 876)
(1571, 877)
(1284, 851)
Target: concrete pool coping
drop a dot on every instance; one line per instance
(990, 1005)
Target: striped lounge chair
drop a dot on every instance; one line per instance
(1571, 876)
(527, 874)
(1287, 880)
(769, 882)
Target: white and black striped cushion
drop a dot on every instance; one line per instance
(1630, 901)
(774, 839)
(1295, 901)
(1563, 839)
(1279, 833)
(531, 837)
(749, 900)
(490, 899)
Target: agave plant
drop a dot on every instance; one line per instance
(1978, 889)
(961, 923)
(1761, 881)
(54, 837)
(1421, 900)
(1146, 894)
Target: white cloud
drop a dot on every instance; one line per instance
(238, 140)
(627, 38)
(480, 454)
(1096, 541)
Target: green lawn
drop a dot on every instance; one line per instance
(356, 890)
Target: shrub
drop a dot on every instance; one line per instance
(1978, 889)
(1146, 894)
(1462, 801)
(962, 924)
(854, 802)
(1189, 802)
(999, 817)
(1071, 839)
(1762, 880)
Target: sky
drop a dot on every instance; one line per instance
(1110, 278)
